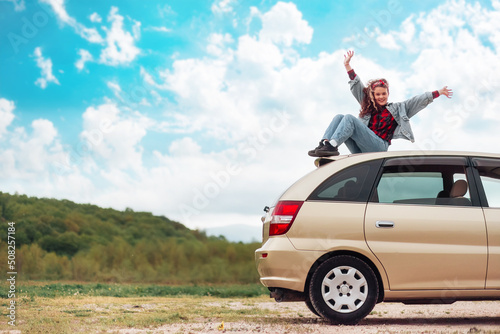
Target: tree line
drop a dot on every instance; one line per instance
(63, 240)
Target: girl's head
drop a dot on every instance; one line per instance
(379, 89)
(375, 97)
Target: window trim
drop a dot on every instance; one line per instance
(426, 160)
(481, 162)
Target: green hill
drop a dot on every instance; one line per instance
(62, 240)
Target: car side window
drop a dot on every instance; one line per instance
(410, 187)
(423, 181)
(352, 184)
(489, 172)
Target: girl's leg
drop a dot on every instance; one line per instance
(330, 130)
(352, 130)
(352, 146)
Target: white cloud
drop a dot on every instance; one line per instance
(6, 115)
(120, 44)
(160, 29)
(34, 151)
(264, 53)
(115, 138)
(90, 34)
(284, 24)
(94, 17)
(46, 66)
(115, 87)
(222, 6)
(136, 30)
(28, 163)
(148, 78)
(185, 146)
(440, 27)
(85, 57)
(217, 44)
(59, 9)
(120, 48)
(30, 152)
(178, 123)
(407, 31)
(144, 102)
(387, 41)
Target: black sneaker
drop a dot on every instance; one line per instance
(327, 150)
(312, 153)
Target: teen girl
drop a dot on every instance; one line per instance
(378, 123)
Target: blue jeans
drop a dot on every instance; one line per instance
(357, 137)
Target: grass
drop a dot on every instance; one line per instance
(45, 307)
(89, 314)
(53, 290)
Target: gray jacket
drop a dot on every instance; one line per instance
(401, 111)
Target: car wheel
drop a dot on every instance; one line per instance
(311, 307)
(343, 289)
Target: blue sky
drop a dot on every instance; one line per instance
(203, 111)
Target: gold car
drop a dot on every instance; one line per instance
(411, 227)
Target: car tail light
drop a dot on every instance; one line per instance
(283, 216)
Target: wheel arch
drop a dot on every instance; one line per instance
(362, 257)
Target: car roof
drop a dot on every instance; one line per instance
(301, 189)
(395, 154)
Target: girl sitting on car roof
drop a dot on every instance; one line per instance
(378, 123)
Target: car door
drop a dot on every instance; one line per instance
(489, 189)
(425, 232)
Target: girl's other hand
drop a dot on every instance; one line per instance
(445, 91)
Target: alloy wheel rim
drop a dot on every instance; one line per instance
(344, 289)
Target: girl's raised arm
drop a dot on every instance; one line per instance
(347, 60)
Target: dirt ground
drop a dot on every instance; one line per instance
(460, 317)
(188, 314)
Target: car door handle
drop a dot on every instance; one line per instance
(384, 224)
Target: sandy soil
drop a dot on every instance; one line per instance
(460, 317)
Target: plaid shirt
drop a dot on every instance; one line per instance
(383, 124)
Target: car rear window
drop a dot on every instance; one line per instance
(352, 184)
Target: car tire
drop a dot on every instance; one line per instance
(311, 307)
(343, 290)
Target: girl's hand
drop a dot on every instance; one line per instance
(445, 91)
(347, 58)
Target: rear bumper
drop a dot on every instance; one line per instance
(280, 265)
